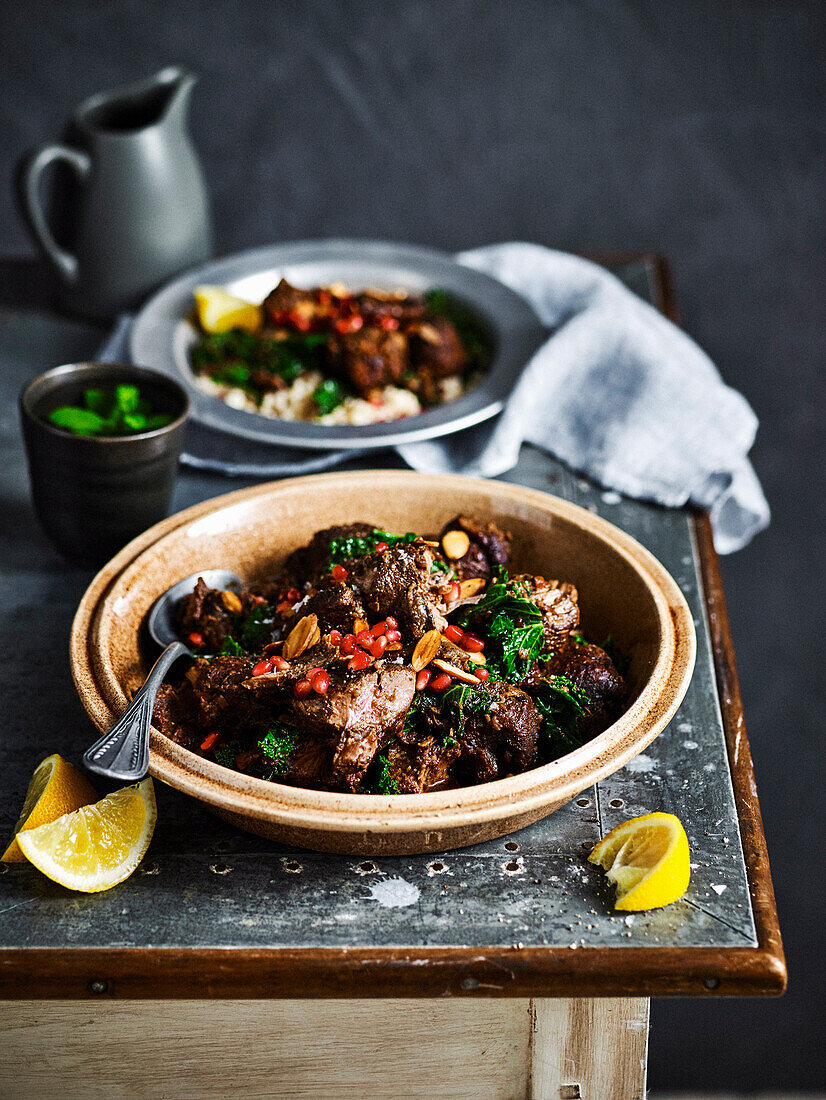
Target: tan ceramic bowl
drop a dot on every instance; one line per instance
(623, 591)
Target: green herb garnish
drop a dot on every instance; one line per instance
(561, 704)
(351, 546)
(231, 648)
(233, 357)
(257, 628)
(226, 754)
(116, 412)
(328, 396)
(515, 627)
(385, 783)
(277, 746)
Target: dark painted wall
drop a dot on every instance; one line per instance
(694, 128)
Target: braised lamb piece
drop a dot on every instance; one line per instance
(383, 663)
(488, 547)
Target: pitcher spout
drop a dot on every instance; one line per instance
(179, 84)
(155, 101)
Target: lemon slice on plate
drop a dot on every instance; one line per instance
(648, 860)
(56, 788)
(96, 846)
(219, 311)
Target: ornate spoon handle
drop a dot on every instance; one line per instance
(123, 752)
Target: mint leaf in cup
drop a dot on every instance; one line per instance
(112, 412)
(80, 421)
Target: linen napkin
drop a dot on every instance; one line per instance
(617, 392)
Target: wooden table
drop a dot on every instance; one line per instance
(500, 970)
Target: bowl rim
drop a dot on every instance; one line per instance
(304, 808)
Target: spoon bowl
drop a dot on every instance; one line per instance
(161, 621)
(123, 752)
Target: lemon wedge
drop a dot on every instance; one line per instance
(219, 311)
(97, 846)
(56, 788)
(648, 860)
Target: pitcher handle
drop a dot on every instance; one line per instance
(29, 193)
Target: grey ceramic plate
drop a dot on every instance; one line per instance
(161, 334)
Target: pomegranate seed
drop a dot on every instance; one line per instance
(320, 682)
(313, 672)
(338, 573)
(423, 679)
(389, 324)
(299, 321)
(279, 663)
(302, 688)
(365, 638)
(210, 741)
(481, 673)
(262, 668)
(258, 599)
(324, 297)
(284, 608)
(393, 636)
(391, 623)
(453, 593)
(378, 647)
(335, 637)
(348, 643)
(472, 643)
(196, 638)
(379, 628)
(441, 682)
(359, 661)
(381, 547)
(293, 595)
(349, 324)
(454, 633)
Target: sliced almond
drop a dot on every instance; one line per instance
(359, 625)
(231, 602)
(471, 586)
(428, 333)
(456, 672)
(304, 634)
(394, 647)
(455, 544)
(477, 658)
(426, 649)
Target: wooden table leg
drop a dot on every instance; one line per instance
(593, 1049)
(465, 1049)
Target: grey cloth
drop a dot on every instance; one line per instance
(617, 392)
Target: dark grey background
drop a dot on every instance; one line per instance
(694, 129)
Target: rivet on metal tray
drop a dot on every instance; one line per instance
(3, 869)
(98, 986)
(583, 802)
(511, 846)
(151, 869)
(292, 866)
(368, 867)
(514, 867)
(437, 867)
(712, 983)
(219, 868)
(616, 803)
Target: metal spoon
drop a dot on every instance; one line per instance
(123, 752)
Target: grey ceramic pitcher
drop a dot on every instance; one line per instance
(141, 212)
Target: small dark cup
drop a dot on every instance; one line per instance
(92, 494)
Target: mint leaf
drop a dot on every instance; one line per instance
(80, 421)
